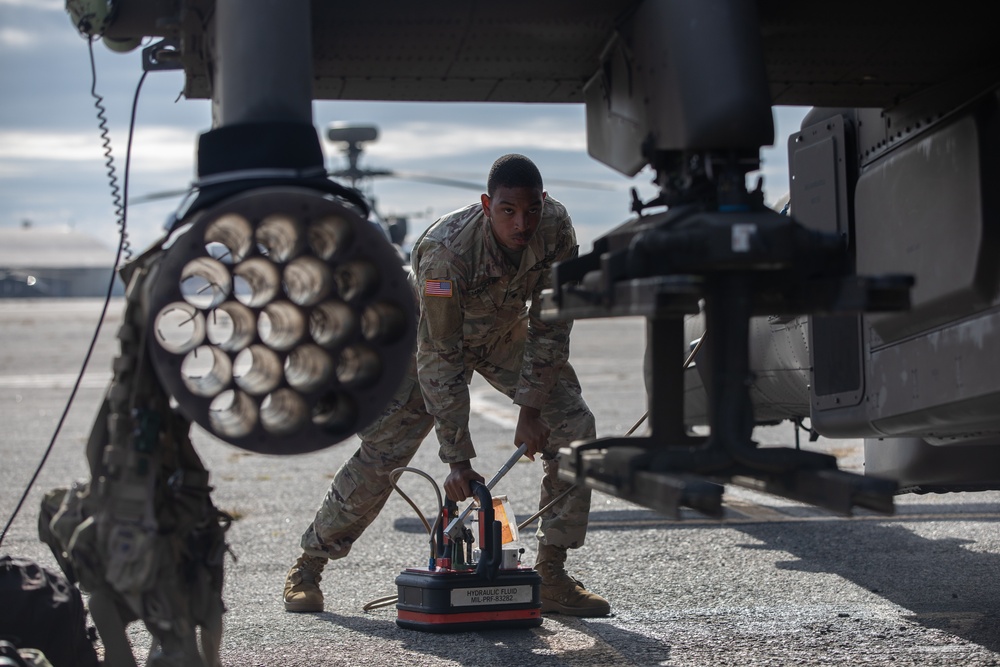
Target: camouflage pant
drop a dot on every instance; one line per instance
(361, 486)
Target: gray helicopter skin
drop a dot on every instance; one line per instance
(892, 161)
(872, 309)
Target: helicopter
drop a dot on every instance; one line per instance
(695, 106)
(351, 139)
(883, 276)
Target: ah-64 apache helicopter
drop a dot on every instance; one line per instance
(351, 138)
(881, 285)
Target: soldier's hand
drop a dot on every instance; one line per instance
(456, 485)
(532, 431)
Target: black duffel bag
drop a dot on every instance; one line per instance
(41, 609)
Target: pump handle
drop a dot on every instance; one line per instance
(453, 526)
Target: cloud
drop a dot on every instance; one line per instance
(33, 26)
(426, 140)
(155, 149)
(15, 38)
(61, 146)
(47, 5)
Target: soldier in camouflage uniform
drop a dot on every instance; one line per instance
(474, 272)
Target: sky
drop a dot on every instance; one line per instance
(53, 168)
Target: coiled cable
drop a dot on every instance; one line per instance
(119, 196)
(121, 210)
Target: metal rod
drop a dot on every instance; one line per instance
(687, 362)
(264, 62)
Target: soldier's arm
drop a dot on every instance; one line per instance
(440, 367)
(547, 347)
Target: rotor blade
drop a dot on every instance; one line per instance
(439, 180)
(585, 185)
(407, 176)
(156, 196)
(358, 174)
(469, 185)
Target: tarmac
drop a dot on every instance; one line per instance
(773, 582)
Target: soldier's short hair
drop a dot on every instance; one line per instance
(513, 171)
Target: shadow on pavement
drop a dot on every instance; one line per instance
(559, 641)
(945, 583)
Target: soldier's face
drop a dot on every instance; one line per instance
(514, 214)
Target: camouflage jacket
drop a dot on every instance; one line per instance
(474, 306)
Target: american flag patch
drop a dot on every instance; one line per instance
(437, 287)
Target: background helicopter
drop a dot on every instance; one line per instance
(351, 140)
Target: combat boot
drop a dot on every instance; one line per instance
(302, 591)
(562, 593)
